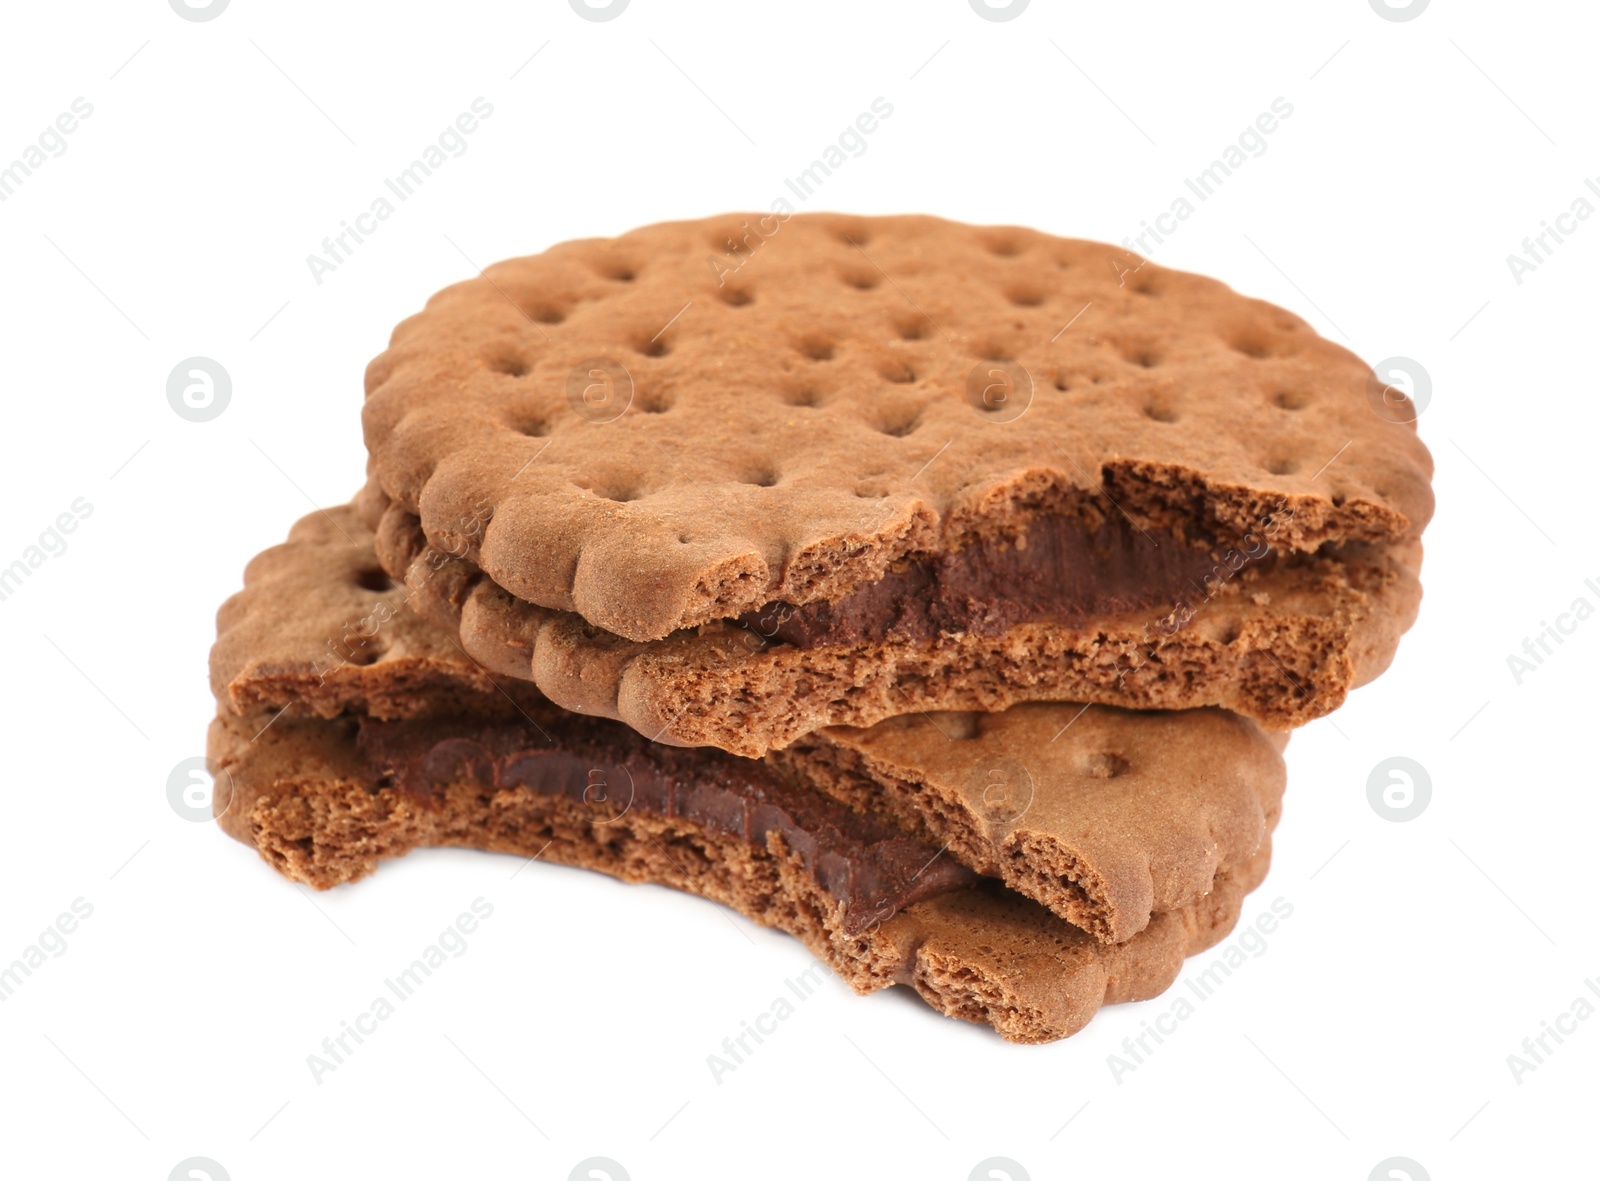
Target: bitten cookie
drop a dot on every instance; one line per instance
(1107, 818)
(735, 480)
(324, 800)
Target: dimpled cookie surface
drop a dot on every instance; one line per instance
(695, 419)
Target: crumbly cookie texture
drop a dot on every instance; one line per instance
(1282, 643)
(1105, 817)
(981, 953)
(699, 418)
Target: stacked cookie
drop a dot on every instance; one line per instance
(940, 595)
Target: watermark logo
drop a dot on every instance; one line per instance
(451, 943)
(199, 13)
(739, 251)
(600, 390)
(1399, 789)
(850, 142)
(1009, 11)
(1004, 788)
(599, 13)
(1536, 648)
(1397, 1168)
(1399, 12)
(51, 943)
(597, 1168)
(452, 142)
(50, 143)
(52, 543)
(998, 1168)
(1001, 391)
(1251, 142)
(1201, 984)
(198, 389)
(737, 1048)
(1399, 389)
(197, 1168)
(1538, 249)
(195, 794)
(1536, 1048)
(1257, 545)
(608, 793)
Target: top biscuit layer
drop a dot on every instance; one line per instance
(699, 418)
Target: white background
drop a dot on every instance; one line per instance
(177, 222)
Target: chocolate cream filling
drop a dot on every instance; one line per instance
(865, 863)
(1061, 569)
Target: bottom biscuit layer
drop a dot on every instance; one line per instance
(981, 953)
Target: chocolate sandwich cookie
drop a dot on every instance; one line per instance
(913, 464)
(324, 800)
(1107, 818)
(1281, 643)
